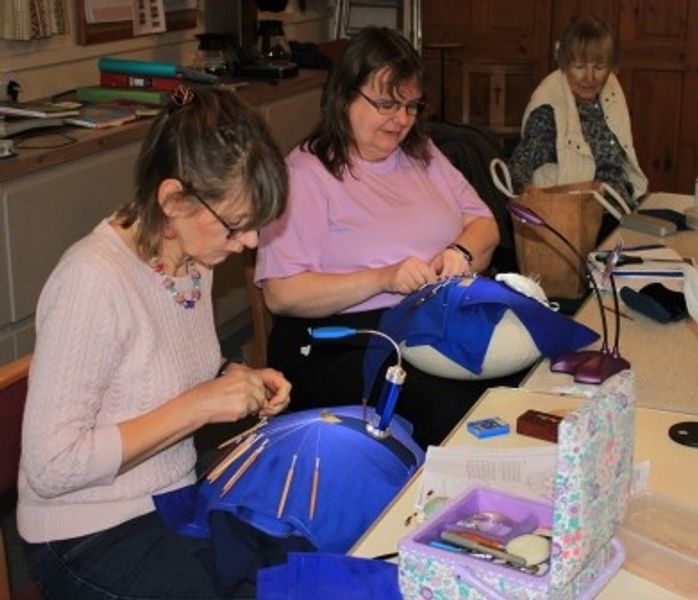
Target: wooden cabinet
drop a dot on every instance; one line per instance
(44, 214)
(44, 211)
(658, 70)
(293, 118)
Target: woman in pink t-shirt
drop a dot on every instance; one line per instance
(375, 212)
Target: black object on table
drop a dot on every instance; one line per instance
(685, 433)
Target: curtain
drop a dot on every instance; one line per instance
(32, 19)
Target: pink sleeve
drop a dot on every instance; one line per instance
(466, 197)
(291, 244)
(64, 449)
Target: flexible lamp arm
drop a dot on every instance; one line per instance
(336, 333)
(587, 366)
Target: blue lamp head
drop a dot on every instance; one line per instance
(394, 376)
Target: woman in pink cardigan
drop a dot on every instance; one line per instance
(126, 358)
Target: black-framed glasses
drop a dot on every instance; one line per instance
(231, 231)
(391, 107)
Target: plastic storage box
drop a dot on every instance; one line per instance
(660, 535)
(592, 484)
(425, 569)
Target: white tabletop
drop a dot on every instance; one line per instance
(664, 359)
(651, 443)
(663, 356)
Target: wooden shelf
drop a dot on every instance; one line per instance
(97, 33)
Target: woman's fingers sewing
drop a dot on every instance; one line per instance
(409, 275)
(450, 263)
(278, 392)
(237, 393)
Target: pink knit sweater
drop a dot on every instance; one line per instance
(111, 344)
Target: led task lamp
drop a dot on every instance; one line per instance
(587, 366)
(394, 377)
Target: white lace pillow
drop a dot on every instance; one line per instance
(511, 347)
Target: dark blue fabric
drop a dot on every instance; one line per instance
(238, 551)
(329, 576)
(657, 302)
(459, 321)
(136, 559)
(673, 216)
(359, 476)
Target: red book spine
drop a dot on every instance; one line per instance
(145, 82)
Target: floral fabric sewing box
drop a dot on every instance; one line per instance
(592, 486)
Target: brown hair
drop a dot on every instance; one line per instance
(588, 38)
(208, 139)
(369, 51)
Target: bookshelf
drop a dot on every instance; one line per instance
(97, 33)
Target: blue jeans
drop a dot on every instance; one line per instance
(137, 560)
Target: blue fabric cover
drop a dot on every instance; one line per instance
(319, 576)
(359, 476)
(458, 321)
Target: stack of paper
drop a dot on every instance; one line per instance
(527, 472)
(39, 110)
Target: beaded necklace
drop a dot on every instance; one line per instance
(168, 283)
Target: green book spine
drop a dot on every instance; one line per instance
(106, 94)
(137, 67)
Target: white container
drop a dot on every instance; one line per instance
(660, 536)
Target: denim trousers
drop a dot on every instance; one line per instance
(136, 560)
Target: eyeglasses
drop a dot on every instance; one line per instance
(231, 231)
(392, 107)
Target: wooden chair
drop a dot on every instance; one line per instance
(255, 350)
(13, 391)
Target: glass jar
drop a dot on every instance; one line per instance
(211, 55)
(271, 41)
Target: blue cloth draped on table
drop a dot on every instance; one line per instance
(317, 474)
(322, 576)
(458, 321)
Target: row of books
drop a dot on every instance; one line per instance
(149, 82)
(125, 86)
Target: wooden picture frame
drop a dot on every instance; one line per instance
(97, 33)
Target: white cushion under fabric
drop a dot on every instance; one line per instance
(511, 349)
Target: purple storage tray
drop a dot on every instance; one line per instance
(480, 499)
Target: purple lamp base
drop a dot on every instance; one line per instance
(590, 366)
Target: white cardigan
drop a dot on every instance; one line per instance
(575, 161)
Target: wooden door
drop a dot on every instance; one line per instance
(501, 43)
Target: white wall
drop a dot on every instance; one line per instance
(49, 66)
